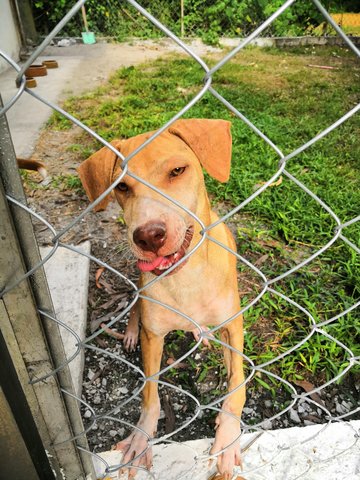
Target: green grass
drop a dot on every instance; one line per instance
(59, 182)
(291, 103)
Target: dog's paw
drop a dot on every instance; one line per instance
(227, 439)
(135, 449)
(130, 340)
(197, 336)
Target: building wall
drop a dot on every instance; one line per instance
(9, 36)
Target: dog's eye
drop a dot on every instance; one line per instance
(122, 187)
(177, 171)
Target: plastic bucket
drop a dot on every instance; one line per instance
(88, 37)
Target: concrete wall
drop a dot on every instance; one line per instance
(9, 36)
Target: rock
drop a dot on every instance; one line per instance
(66, 42)
(340, 409)
(248, 411)
(347, 405)
(97, 400)
(113, 433)
(87, 414)
(267, 425)
(294, 416)
(268, 403)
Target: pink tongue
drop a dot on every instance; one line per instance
(148, 266)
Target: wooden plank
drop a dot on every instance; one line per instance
(30, 338)
(15, 460)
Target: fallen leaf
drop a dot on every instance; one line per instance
(112, 333)
(102, 343)
(261, 260)
(108, 287)
(114, 298)
(96, 321)
(171, 360)
(98, 274)
(169, 412)
(324, 67)
(307, 386)
(270, 243)
(312, 418)
(274, 184)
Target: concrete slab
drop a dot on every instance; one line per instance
(68, 278)
(316, 452)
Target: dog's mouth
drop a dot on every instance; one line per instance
(162, 263)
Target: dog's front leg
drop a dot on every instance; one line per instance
(132, 329)
(137, 442)
(228, 427)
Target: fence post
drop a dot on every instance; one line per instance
(33, 343)
(182, 30)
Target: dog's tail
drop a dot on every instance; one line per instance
(29, 164)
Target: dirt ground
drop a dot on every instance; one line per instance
(108, 382)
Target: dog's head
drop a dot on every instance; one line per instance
(159, 231)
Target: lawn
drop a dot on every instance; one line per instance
(290, 102)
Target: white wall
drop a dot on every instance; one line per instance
(9, 37)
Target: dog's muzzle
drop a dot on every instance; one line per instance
(150, 238)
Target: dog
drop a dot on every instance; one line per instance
(160, 233)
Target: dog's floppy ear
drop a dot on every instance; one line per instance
(210, 140)
(96, 173)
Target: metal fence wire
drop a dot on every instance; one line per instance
(269, 285)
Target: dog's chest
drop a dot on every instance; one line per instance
(206, 304)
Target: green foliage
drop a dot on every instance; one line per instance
(208, 19)
(106, 17)
(67, 182)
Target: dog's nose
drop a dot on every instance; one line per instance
(150, 237)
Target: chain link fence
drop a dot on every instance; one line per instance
(268, 285)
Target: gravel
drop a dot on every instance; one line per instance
(119, 382)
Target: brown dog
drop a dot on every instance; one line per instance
(204, 287)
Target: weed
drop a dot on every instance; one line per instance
(83, 151)
(67, 182)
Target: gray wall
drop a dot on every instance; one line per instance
(9, 36)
